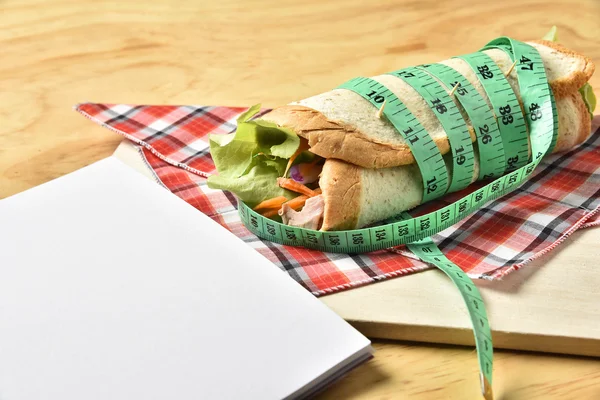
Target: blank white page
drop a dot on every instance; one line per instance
(113, 288)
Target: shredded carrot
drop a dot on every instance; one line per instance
(294, 186)
(271, 213)
(275, 202)
(303, 147)
(295, 204)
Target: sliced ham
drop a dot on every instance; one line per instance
(309, 217)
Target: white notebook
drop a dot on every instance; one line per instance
(113, 288)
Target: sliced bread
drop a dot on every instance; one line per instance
(341, 124)
(356, 196)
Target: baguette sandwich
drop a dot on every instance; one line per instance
(331, 162)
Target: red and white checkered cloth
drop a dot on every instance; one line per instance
(562, 196)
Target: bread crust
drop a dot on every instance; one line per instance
(567, 85)
(337, 139)
(341, 182)
(341, 186)
(344, 184)
(566, 141)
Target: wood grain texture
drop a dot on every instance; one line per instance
(234, 52)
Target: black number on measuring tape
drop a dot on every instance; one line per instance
(270, 229)
(484, 131)
(485, 72)
(445, 216)
(334, 240)
(312, 238)
(507, 118)
(412, 139)
(402, 230)
(439, 107)
(526, 63)
(495, 187)
(460, 160)
(425, 224)
(462, 206)
(377, 98)
(357, 239)
(535, 112)
(290, 235)
(380, 235)
(476, 304)
(431, 185)
(406, 74)
(426, 250)
(459, 90)
(512, 161)
(478, 196)
(512, 179)
(254, 221)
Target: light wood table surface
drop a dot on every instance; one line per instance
(234, 52)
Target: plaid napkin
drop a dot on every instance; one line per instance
(562, 196)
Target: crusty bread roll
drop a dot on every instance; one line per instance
(355, 196)
(341, 124)
(370, 173)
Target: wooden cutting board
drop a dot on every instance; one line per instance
(550, 305)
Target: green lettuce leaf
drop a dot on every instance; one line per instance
(552, 35)
(258, 184)
(589, 98)
(234, 158)
(250, 160)
(274, 140)
(249, 113)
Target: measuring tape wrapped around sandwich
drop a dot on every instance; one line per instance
(375, 147)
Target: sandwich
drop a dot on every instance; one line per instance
(332, 162)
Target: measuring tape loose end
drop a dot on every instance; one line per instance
(503, 145)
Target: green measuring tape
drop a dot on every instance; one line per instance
(451, 119)
(540, 116)
(503, 149)
(427, 251)
(511, 121)
(429, 159)
(481, 116)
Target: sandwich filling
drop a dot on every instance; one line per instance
(271, 169)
